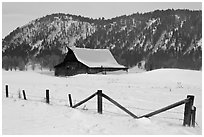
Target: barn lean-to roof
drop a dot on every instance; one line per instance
(95, 58)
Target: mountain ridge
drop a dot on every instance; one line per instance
(162, 38)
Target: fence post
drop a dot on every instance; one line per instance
(187, 111)
(193, 115)
(70, 100)
(47, 96)
(99, 101)
(7, 91)
(24, 95)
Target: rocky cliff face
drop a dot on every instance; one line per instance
(171, 38)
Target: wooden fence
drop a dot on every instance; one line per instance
(189, 110)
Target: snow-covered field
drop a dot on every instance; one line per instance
(140, 93)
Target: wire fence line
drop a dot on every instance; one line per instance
(90, 101)
(125, 115)
(130, 107)
(170, 118)
(55, 101)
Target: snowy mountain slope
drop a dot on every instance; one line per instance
(139, 92)
(55, 32)
(163, 39)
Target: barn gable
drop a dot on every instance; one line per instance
(81, 60)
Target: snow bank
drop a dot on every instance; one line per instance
(141, 93)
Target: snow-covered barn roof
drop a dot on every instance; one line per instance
(96, 57)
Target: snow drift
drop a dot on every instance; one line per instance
(139, 92)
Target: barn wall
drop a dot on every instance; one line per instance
(99, 69)
(70, 69)
(74, 68)
(60, 71)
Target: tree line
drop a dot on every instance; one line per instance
(19, 63)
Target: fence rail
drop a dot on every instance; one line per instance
(189, 110)
(85, 100)
(166, 108)
(120, 106)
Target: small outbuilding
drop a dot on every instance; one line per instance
(91, 61)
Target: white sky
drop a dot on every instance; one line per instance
(16, 14)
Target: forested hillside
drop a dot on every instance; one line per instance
(170, 38)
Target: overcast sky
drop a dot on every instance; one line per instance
(17, 14)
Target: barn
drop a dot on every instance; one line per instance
(91, 61)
